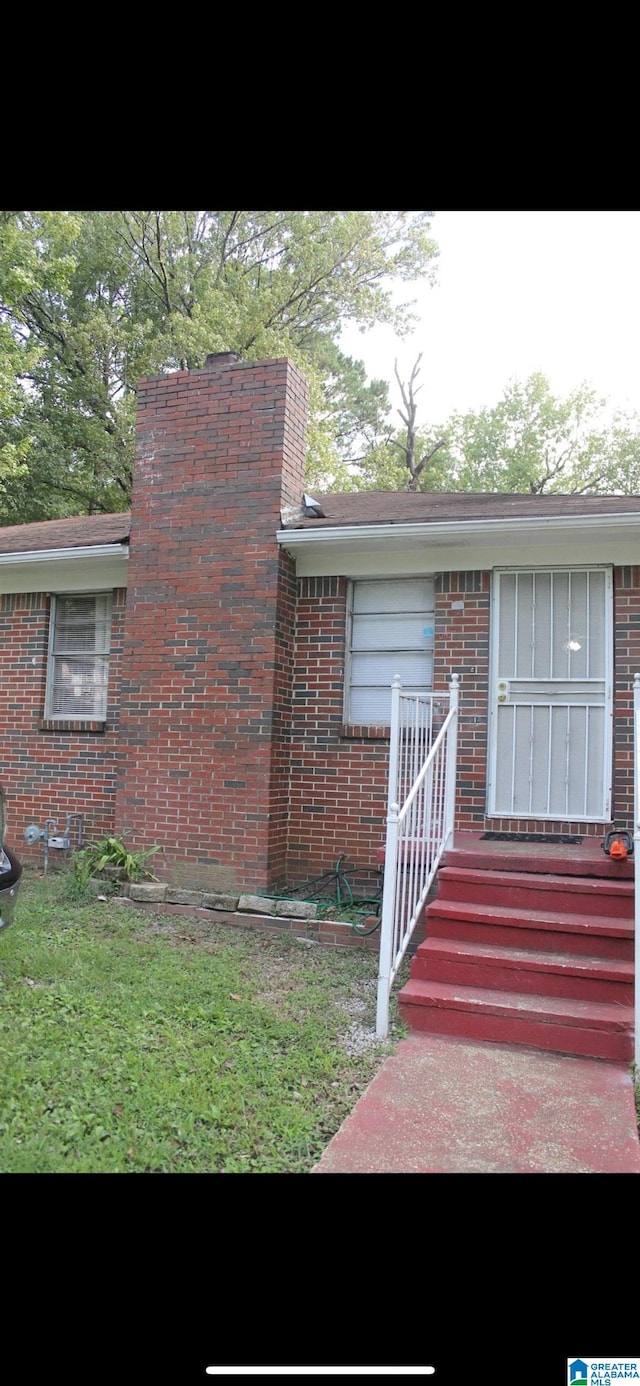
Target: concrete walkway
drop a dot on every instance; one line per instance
(441, 1105)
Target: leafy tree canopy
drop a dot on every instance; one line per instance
(530, 441)
(92, 301)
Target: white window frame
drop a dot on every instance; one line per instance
(429, 618)
(84, 709)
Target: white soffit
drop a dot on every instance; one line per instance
(65, 570)
(356, 550)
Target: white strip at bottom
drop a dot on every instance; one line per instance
(320, 1371)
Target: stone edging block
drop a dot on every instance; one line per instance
(214, 901)
(296, 909)
(177, 896)
(284, 909)
(157, 892)
(149, 890)
(256, 904)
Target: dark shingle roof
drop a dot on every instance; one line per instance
(340, 508)
(424, 507)
(77, 532)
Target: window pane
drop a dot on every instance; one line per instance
(82, 623)
(415, 670)
(392, 631)
(401, 594)
(79, 688)
(370, 706)
(79, 665)
(398, 632)
(373, 705)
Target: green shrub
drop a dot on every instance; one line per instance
(111, 858)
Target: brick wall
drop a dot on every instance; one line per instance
(461, 646)
(339, 775)
(338, 780)
(49, 773)
(300, 796)
(206, 693)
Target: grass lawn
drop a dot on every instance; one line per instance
(136, 1042)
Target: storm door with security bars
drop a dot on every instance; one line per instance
(551, 700)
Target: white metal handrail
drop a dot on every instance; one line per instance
(419, 828)
(636, 860)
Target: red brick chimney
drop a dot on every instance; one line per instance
(204, 724)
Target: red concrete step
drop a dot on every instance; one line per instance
(534, 972)
(595, 1029)
(532, 891)
(549, 930)
(559, 859)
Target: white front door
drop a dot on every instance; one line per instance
(551, 694)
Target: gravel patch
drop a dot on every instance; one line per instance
(357, 1040)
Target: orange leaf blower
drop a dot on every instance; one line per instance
(618, 844)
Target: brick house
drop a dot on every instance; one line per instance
(211, 673)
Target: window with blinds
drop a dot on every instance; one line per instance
(78, 670)
(391, 627)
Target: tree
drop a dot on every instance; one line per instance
(401, 460)
(90, 302)
(533, 441)
(409, 444)
(19, 351)
(530, 441)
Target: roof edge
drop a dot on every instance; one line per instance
(423, 528)
(116, 550)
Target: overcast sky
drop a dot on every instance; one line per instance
(557, 292)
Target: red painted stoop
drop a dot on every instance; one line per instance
(528, 944)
